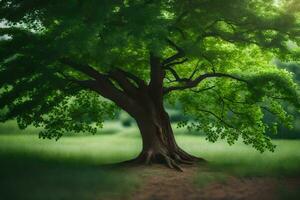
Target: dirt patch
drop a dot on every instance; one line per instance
(161, 183)
(234, 188)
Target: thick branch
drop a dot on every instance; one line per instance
(86, 84)
(123, 82)
(102, 85)
(108, 90)
(84, 68)
(195, 82)
(141, 83)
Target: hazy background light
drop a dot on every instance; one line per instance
(4, 25)
(277, 2)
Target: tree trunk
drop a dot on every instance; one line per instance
(159, 145)
(144, 102)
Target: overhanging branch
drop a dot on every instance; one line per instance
(90, 84)
(195, 82)
(217, 117)
(102, 85)
(202, 90)
(84, 68)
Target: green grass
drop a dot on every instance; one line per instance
(70, 168)
(33, 168)
(99, 149)
(243, 160)
(102, 149)
(33, 179)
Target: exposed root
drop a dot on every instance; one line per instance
(171, 160)
(148, 158)
(182, 160)
(176, 166)
(171, 163)
(188, 157)
(187, 162)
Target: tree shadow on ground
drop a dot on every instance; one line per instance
(24, 177)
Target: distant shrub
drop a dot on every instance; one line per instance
(127, 122)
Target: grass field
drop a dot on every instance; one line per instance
(71, 168)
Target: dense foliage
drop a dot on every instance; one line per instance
(223, 75)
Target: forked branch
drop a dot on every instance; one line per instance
(180, 53)
(140, 82)
(102, 85)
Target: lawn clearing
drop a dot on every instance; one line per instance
(71, 168)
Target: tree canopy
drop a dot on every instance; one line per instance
(217, 58)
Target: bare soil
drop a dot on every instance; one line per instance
(161, 183)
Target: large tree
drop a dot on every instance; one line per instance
(213, 58)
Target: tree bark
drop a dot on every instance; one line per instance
(159, 144)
